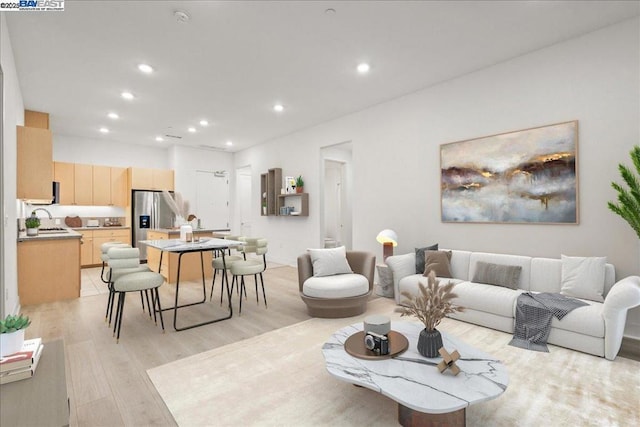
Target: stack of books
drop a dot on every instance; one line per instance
(21, 365)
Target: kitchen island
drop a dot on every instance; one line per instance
(48, 267)
(190, 268)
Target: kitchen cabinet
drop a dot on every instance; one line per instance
(190, 269)
(34, 155)
(64, 174)
(83, 184)
(101, 176)
(151, 179)
(86, 247)
(103, 236)
(48, 270)
(119, 191)
(36, 119)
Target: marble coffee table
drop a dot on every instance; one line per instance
(424, 395)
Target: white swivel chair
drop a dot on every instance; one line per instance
(251, 266)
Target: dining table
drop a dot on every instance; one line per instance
(218, 246)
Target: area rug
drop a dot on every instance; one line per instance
(279, 379)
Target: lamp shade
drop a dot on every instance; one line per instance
(387, 236)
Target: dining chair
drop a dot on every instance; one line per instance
(223, 267)
(131, 265)
(250, 266)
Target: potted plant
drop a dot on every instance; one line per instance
(12, 333)
(32, 223)
(299, 184)
(628, 206)
(264, 207)
(430, 306)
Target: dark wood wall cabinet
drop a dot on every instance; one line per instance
(272, 200)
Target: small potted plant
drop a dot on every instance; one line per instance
(299, 184)
(264, 207)
(432, 304)
(12, 333)
(32, 223)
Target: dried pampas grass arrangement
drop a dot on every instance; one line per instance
(433, 303)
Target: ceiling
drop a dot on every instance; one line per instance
(233, 60)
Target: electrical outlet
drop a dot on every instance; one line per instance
(57, 221)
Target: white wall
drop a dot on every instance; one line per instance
(592, 79)
(12, 116)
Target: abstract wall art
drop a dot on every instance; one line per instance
(527, 176)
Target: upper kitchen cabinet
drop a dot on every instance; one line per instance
(101, 185)
(36, 119)
(34, 163)
(151, 179)
(83, 184)
(64, 173)
(119, 186)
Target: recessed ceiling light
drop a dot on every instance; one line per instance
(127, 95)
(204, 123)
(181, 16)
(363, 68)
(113, 116)
(229, 143)
(192, 129)
(147, 69)
(104, 130)
(330, 11)
(278, 107)
(159, 138)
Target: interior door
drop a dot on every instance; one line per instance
(212, 199)
(243, 176)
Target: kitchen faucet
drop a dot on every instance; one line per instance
(33, 212)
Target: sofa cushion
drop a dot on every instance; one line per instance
(327, 262)
(410, 283)
(497, 274)
(583, 277)
(439, 262)
(420, 257)
(336, 286)
(487, 298)
(585, 320)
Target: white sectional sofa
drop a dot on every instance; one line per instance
(596, 328)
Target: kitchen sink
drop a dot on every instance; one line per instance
(52, 230)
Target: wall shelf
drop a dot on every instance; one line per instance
(301, 199)
(270, 187)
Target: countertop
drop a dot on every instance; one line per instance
(120, 227)
(70, 234)
(195, 230)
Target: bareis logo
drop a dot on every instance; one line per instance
(32, 5)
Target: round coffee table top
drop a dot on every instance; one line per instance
(415, 381)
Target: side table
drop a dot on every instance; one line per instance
(384, 287)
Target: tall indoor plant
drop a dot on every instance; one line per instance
(628, 206)
(432, 304)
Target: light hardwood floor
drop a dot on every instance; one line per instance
(107, 381)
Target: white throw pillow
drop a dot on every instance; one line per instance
(583, 277)
(327, 262)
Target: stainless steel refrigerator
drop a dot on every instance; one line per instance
(149, 210)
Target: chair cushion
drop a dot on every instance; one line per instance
(117, 273)
(228, 260)
(336, 286)
(250, 266)
(138, 282)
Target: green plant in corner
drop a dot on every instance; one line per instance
(14, 323)
(32, 222)
(628, 206)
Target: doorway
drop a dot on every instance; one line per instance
(212, 199)
(336, 228)
(243, 178)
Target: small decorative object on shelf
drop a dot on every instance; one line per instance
(449, 361)
(299, 184)
(432, 304)
(32, 223)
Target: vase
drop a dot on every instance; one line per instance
(429, 342)
(32, 231)
(299, 189)
(11, 342)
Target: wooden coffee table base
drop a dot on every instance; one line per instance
(407, 417)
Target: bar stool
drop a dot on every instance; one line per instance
(218, 265)
(253, 266)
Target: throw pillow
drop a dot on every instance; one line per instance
(420, 257)
(439, 262)
(583, 277)
(507, 276)
(328, 262)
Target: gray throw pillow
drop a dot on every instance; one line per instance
(439, 262)
(507, 276)
(420, 257)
